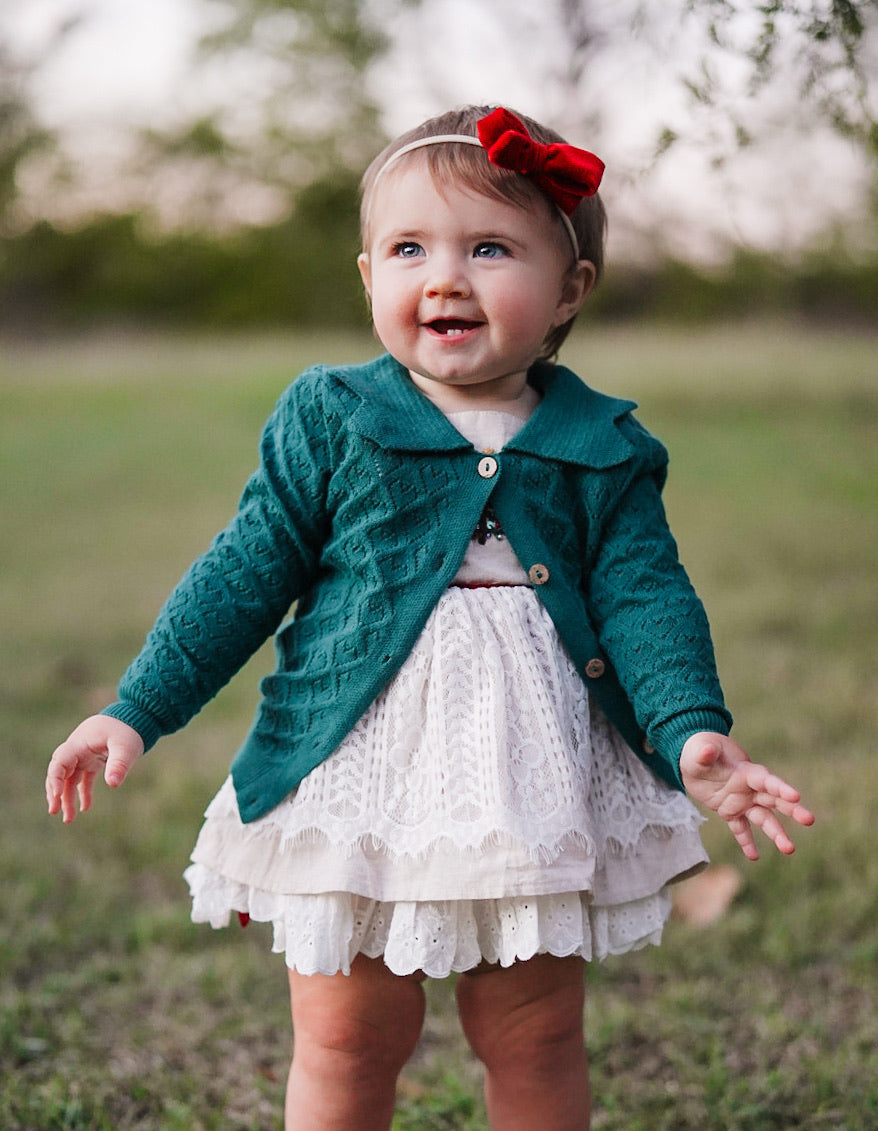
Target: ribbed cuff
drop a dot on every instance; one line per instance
(142, 721)
(670, 737)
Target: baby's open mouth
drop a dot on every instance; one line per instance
(451, 327)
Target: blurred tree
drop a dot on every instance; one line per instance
(824, 52)
(21, 134)
(283, 92)
(290, 106)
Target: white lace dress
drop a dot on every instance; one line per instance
(483, 808)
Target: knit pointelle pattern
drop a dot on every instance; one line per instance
(361, 511)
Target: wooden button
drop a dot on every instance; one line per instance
(538, 573)
(595, 668)
(487, 467)
(648, 747)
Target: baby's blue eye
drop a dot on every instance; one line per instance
(489, 250)
(407, 249)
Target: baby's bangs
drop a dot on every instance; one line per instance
(466, 166)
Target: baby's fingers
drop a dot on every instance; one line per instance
(78, 788)
(774, 794)
(763, 782)
(85, 790)
(63, 789)
(61, 782)
(768, 821)
(120, 758)
(796, 812)
(802, 816)
(742, 829)
(743, 834)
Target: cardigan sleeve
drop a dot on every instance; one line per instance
(653, 626)
(235, 595)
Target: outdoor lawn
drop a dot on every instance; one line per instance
(121, 456)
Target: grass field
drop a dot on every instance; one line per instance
(120, 458)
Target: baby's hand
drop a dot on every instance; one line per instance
(718, 773)
(100, 741)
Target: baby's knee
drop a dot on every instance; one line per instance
(351, 1047)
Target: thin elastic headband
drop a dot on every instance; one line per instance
(467, 139)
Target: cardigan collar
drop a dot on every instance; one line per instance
(572, 422)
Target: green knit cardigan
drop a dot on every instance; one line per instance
(360, 514)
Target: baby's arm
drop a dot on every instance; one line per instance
(98, 742)
(717, 773)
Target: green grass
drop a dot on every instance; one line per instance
(118, 461)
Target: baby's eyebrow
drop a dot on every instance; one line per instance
(495, 236)
(402, 236)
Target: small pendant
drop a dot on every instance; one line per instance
(488, 527)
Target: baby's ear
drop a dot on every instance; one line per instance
(575, 289)
(365, 271)
(590, 273)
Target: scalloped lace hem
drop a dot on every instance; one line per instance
(322, 934)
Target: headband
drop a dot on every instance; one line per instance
(561, 172)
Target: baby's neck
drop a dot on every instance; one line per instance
(460, 398)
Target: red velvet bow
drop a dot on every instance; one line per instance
(563, 172)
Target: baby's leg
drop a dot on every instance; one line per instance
(351, 1037)
(525, 1024)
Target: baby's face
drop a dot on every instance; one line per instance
(465, 288)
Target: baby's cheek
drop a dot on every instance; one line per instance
(526, 320)
(393, 314)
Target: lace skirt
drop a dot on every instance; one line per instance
(483, 808)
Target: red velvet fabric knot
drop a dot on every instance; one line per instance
(563, 172)
(521, 154)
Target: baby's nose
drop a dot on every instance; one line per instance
(447, 278)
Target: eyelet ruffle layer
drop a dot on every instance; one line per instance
(322, 934)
